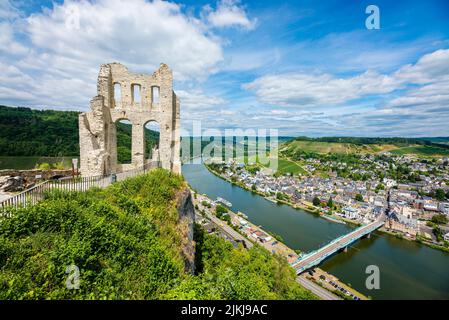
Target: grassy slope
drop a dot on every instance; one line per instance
(336, 147)
(347, 148)
(422, 151)
(288, 166)
(127, 243)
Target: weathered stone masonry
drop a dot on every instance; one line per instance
(98, 142)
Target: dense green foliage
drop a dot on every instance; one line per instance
(128, 243)
(220, 210)
(225, 272)
(439, 219)
(29, 132)
(124, 141)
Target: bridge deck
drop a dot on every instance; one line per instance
(316, 257)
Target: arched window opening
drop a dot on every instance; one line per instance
(152, 138)
(136, 98)
(124, 141)
(117, 93)
(155, 94)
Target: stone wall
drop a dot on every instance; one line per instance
(98, 141)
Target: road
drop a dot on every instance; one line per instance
(306, 283)
(316, 289)
(224, 226)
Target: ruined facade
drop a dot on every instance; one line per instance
(156, 102)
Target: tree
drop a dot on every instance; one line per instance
(359, 197)
(439, 219)
(205, 204)
(440, 195)
(438, 233)
(316, 201)
(379, 187)
(330, 203)
(253, 187)
(220, 210)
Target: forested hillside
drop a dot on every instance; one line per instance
(127, 243)
(49, 133)
(28, 132)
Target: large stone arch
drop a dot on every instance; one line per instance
(97, 127)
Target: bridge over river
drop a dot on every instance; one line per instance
(314, 258)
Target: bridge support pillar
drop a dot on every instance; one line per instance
(345, 249)
(369, 235)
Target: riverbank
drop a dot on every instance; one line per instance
(408, 269)
(315, 211)
(318, 276)
(249, 230)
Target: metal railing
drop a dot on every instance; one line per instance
(35, 194)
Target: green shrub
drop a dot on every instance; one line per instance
(225, 272)
(59, 165)
(42, 166)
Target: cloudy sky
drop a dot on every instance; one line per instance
(303, 67)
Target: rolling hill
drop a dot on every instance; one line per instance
(348, 145)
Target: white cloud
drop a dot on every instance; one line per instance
(61, 48)
(311, 90)
(229, 14)
(411, 101)
(431, 67)
(196, 100)
(134, 32)
(8, 46)
(7, 10)
(303, 90)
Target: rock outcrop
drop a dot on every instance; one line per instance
(186, 223)
(11, 184)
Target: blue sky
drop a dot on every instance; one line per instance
(302, 67)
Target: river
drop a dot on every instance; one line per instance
(408, 270)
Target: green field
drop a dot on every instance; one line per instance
(335, 147)
(429, 151)
(321, 147)
(287, 166)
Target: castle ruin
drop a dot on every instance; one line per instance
(156, 101)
